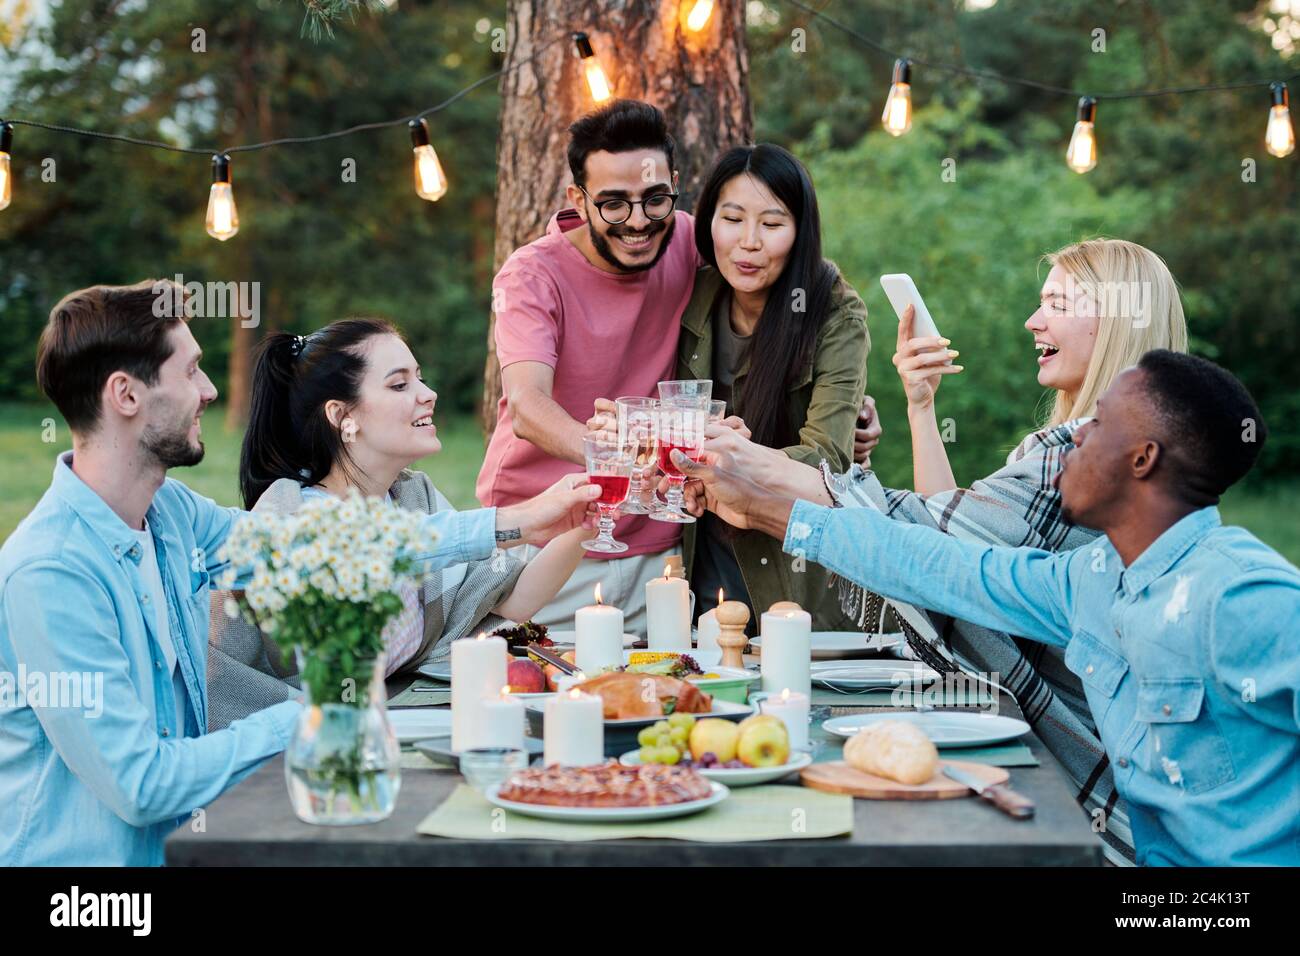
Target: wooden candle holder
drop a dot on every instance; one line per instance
(732, 617)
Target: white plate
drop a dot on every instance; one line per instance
(708, 658)
(419, 723)
(721, 708)
(608, 814)
(832, 645)
(873, 673)
(566, 639)
(944, 728)
(737, 776)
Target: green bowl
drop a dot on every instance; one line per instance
(731, 684)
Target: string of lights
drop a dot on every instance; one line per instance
(222, 220)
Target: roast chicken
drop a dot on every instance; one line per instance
(626, 695)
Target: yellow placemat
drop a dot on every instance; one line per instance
(771, 812)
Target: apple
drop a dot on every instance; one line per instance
(764, 744)
(525, 677)
(716, 736)
(758, 720)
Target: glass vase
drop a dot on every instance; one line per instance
(343, 763)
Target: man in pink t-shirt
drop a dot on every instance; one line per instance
(592, 310)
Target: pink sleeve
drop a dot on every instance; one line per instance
(686, 221)
(528, 316)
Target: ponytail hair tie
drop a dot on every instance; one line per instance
(297, 345)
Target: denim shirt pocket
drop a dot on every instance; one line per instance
(1182, 743)
(1097, 665)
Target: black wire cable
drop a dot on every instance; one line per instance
(962, 70)
(291, 140)
(855, 35)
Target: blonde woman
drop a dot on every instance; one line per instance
(1104, 303)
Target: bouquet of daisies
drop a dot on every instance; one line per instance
(325, 581)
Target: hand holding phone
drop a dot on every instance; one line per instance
(923, 357)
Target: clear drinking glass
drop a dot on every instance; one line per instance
(681, 428)
(636, 432)
(717, 410)
(687, 391)
(609, 465)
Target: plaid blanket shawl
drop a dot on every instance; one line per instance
(1016, 506)
(245, 670)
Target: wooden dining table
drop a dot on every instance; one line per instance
(253, 824)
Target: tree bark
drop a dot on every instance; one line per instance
(700, 81)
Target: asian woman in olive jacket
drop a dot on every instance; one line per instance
(784, 338)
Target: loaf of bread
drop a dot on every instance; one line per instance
(893, 749)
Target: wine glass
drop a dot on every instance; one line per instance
(694, 391)
(609, 465)
(636, 432)
(681, 428)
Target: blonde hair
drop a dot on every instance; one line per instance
(1138, 309)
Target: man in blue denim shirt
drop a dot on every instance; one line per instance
(104, 598)
(1183, 632)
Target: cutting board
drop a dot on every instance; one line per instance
(838, 777)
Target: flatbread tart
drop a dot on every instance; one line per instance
(606, 785)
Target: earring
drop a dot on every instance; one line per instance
(348, 430)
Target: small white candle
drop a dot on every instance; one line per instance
(598, 643)
(573, 730)
(786, 656)
(566, 681)
(668, 613)
(793, 708)
(502, 723)
(478, 671)
(706, 635)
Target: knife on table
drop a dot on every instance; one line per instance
(1004, 798)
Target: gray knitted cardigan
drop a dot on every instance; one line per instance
(245, 670)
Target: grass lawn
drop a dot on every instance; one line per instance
(26, 461)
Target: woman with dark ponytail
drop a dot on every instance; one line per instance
(346, 408)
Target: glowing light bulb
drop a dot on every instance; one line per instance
(430, 180)
(698, 18)
(1081, 155)
(6, 175)
(223, 217)
(596, 80)
(1279, 138)
(898, 105)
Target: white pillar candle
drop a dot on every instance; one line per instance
(478, 671)
(573, 730)
(786, 656)
(566, 681)
(792, 708)
(707, 630)
(668, 614)
(598, 644)
(502, 722)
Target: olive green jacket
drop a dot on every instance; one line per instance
(826, 397)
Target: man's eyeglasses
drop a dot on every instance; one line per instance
(618, 211)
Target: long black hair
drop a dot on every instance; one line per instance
(289, 435)
(785, 338)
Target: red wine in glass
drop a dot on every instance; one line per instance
(666, 458)
(613, 488)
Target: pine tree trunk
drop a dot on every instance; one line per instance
(699, 80)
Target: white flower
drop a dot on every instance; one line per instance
(231, 607)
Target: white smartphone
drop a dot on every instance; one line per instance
(901, 291)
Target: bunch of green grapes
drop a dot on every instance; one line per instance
(665, 741)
